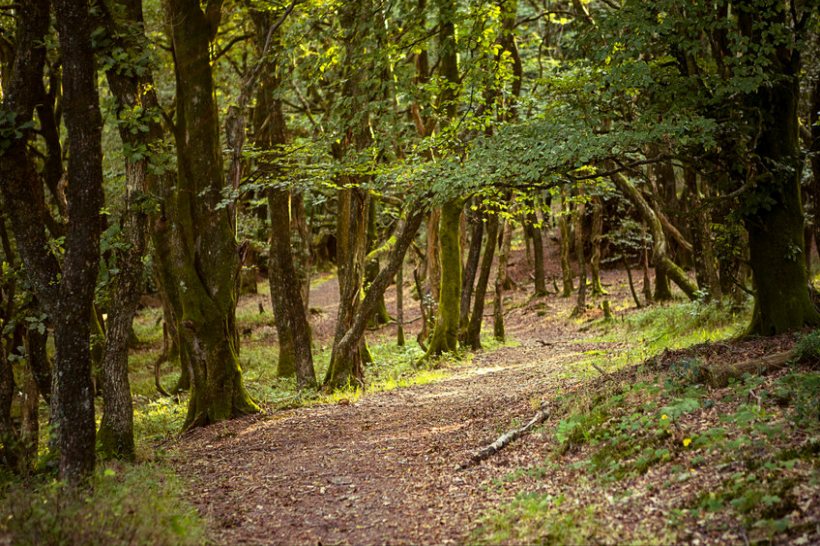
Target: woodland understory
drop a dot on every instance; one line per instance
(409, 271)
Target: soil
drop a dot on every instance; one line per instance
(386, 469)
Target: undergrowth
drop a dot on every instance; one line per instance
(126, 504)
(734, 464)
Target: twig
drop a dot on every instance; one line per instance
(506, 439)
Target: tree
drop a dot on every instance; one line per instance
(65, 290)
(204, 254)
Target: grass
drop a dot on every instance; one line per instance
(733, 464)
(127, 504)
(645, 333)
(144, 503)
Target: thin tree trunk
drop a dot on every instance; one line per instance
(501, 281)
(476, 223)
(563, 227)
(473, 335)
(580, 255)
(596, 238)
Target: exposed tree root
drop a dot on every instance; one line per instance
(718, 376)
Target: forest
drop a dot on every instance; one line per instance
(409, 272)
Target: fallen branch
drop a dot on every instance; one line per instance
(718, 376)
(507, 438)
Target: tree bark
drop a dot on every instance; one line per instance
(776, 244)
(596, 238)
(72, 397)
(501, 281)
(470, 268)
(205, 259)
(663, 264)
(445, 332)
(580, 255)
(473, 336)
(563, 227)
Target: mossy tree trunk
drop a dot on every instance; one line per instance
(664, 266)
(596, 237)
(381, 316)
(776, 241)
(445, 331)
(534, 230)
(580, 254)
(205, 258)
(347, 347)
(704, 254)
(286, 286)
(346, 363)
(473, 334)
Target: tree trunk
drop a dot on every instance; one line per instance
(287, 285)
(400, 304)
(563, 227)
(596, 238)
(445, 332)
(782, 301)
(205, 258)
(538, 255)
(501, 281)
(346, 367)
(381, 316)
(704, 255)
(295, 356)
(580, 255)
(473, 335)
(476, 222)
(72, 400)
(347, 345)
(663, 264)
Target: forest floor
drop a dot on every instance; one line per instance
(386, 467)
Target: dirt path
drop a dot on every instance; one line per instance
(382, 470)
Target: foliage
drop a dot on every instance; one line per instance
(141, 504)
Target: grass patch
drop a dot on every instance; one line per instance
(640, 335)
(129, 504)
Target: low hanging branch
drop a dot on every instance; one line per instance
(659, 252)
(507, 438)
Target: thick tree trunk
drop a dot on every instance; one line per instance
(473, 335)
(72, 402)
(445, 332)
(782, 301)
(205, 258)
